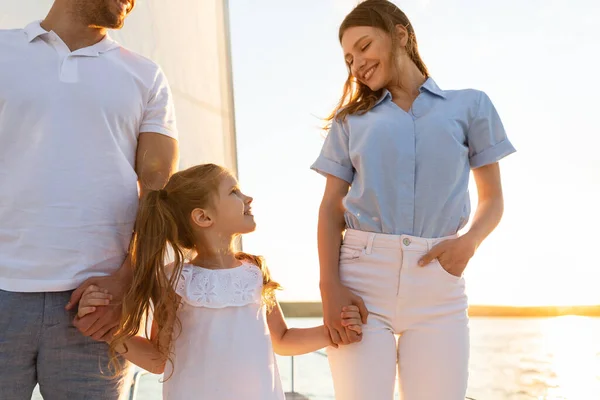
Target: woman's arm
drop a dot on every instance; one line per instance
(454, 255)
(296, 341)
(330, 227)
(329, 236)
(490, 206)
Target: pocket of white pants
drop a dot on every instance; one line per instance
(348, 253)
(442, 271)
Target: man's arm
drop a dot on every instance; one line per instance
(157, 158)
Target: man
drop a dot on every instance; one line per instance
(83, 121)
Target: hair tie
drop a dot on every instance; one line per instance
(162, 193)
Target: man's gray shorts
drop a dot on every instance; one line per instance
(39, 344)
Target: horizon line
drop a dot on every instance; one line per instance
(313, 309)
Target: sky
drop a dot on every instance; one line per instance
(535, 59)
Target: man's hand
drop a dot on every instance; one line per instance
(99, 324)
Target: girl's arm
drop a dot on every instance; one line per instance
(139, 350)
(144, 353)
(296, 341)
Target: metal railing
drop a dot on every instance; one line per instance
(135, 383)
(138, 375)
(293, 369)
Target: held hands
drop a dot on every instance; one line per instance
(453, 255)
(351, 319)
(352, 322)
(92, 297)
(337, 297)
(100, 323)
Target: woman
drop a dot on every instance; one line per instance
(397, 160)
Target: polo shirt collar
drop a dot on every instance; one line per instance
(34, 30)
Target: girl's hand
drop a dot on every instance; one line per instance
(93, 297)
(453, 255)
(351, 319)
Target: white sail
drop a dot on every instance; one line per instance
(190, 41)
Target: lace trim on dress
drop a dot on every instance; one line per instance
(219, 288)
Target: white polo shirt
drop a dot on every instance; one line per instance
(69, 126)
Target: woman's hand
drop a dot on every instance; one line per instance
(335, 297)
(453, 255)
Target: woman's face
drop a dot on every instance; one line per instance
(368, 54)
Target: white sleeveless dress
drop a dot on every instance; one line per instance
(223, 351)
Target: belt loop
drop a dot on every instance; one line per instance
(369, 247)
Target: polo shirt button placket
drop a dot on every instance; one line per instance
(68, 69)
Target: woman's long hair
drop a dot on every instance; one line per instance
(358, 98)
(163, 228)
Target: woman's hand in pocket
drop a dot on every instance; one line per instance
(453, 255)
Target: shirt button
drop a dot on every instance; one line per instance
(406, 241)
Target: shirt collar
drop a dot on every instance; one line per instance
(386, 95)
(102, 46)
(433, 88)
(34, 30)
(429, 85)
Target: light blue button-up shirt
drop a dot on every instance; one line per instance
(409, 171)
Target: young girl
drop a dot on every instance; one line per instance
(215, 316)
(397, 159)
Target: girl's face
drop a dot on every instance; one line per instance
(232, 212)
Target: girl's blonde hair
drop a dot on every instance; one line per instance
(163, 222)
(358, 98)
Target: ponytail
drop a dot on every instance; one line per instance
(152, 289)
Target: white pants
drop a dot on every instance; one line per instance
(425, 306)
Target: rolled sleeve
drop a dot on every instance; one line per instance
(335, 157)
(487, 138)
(159, 115)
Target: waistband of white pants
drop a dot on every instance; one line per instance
(373, 240)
